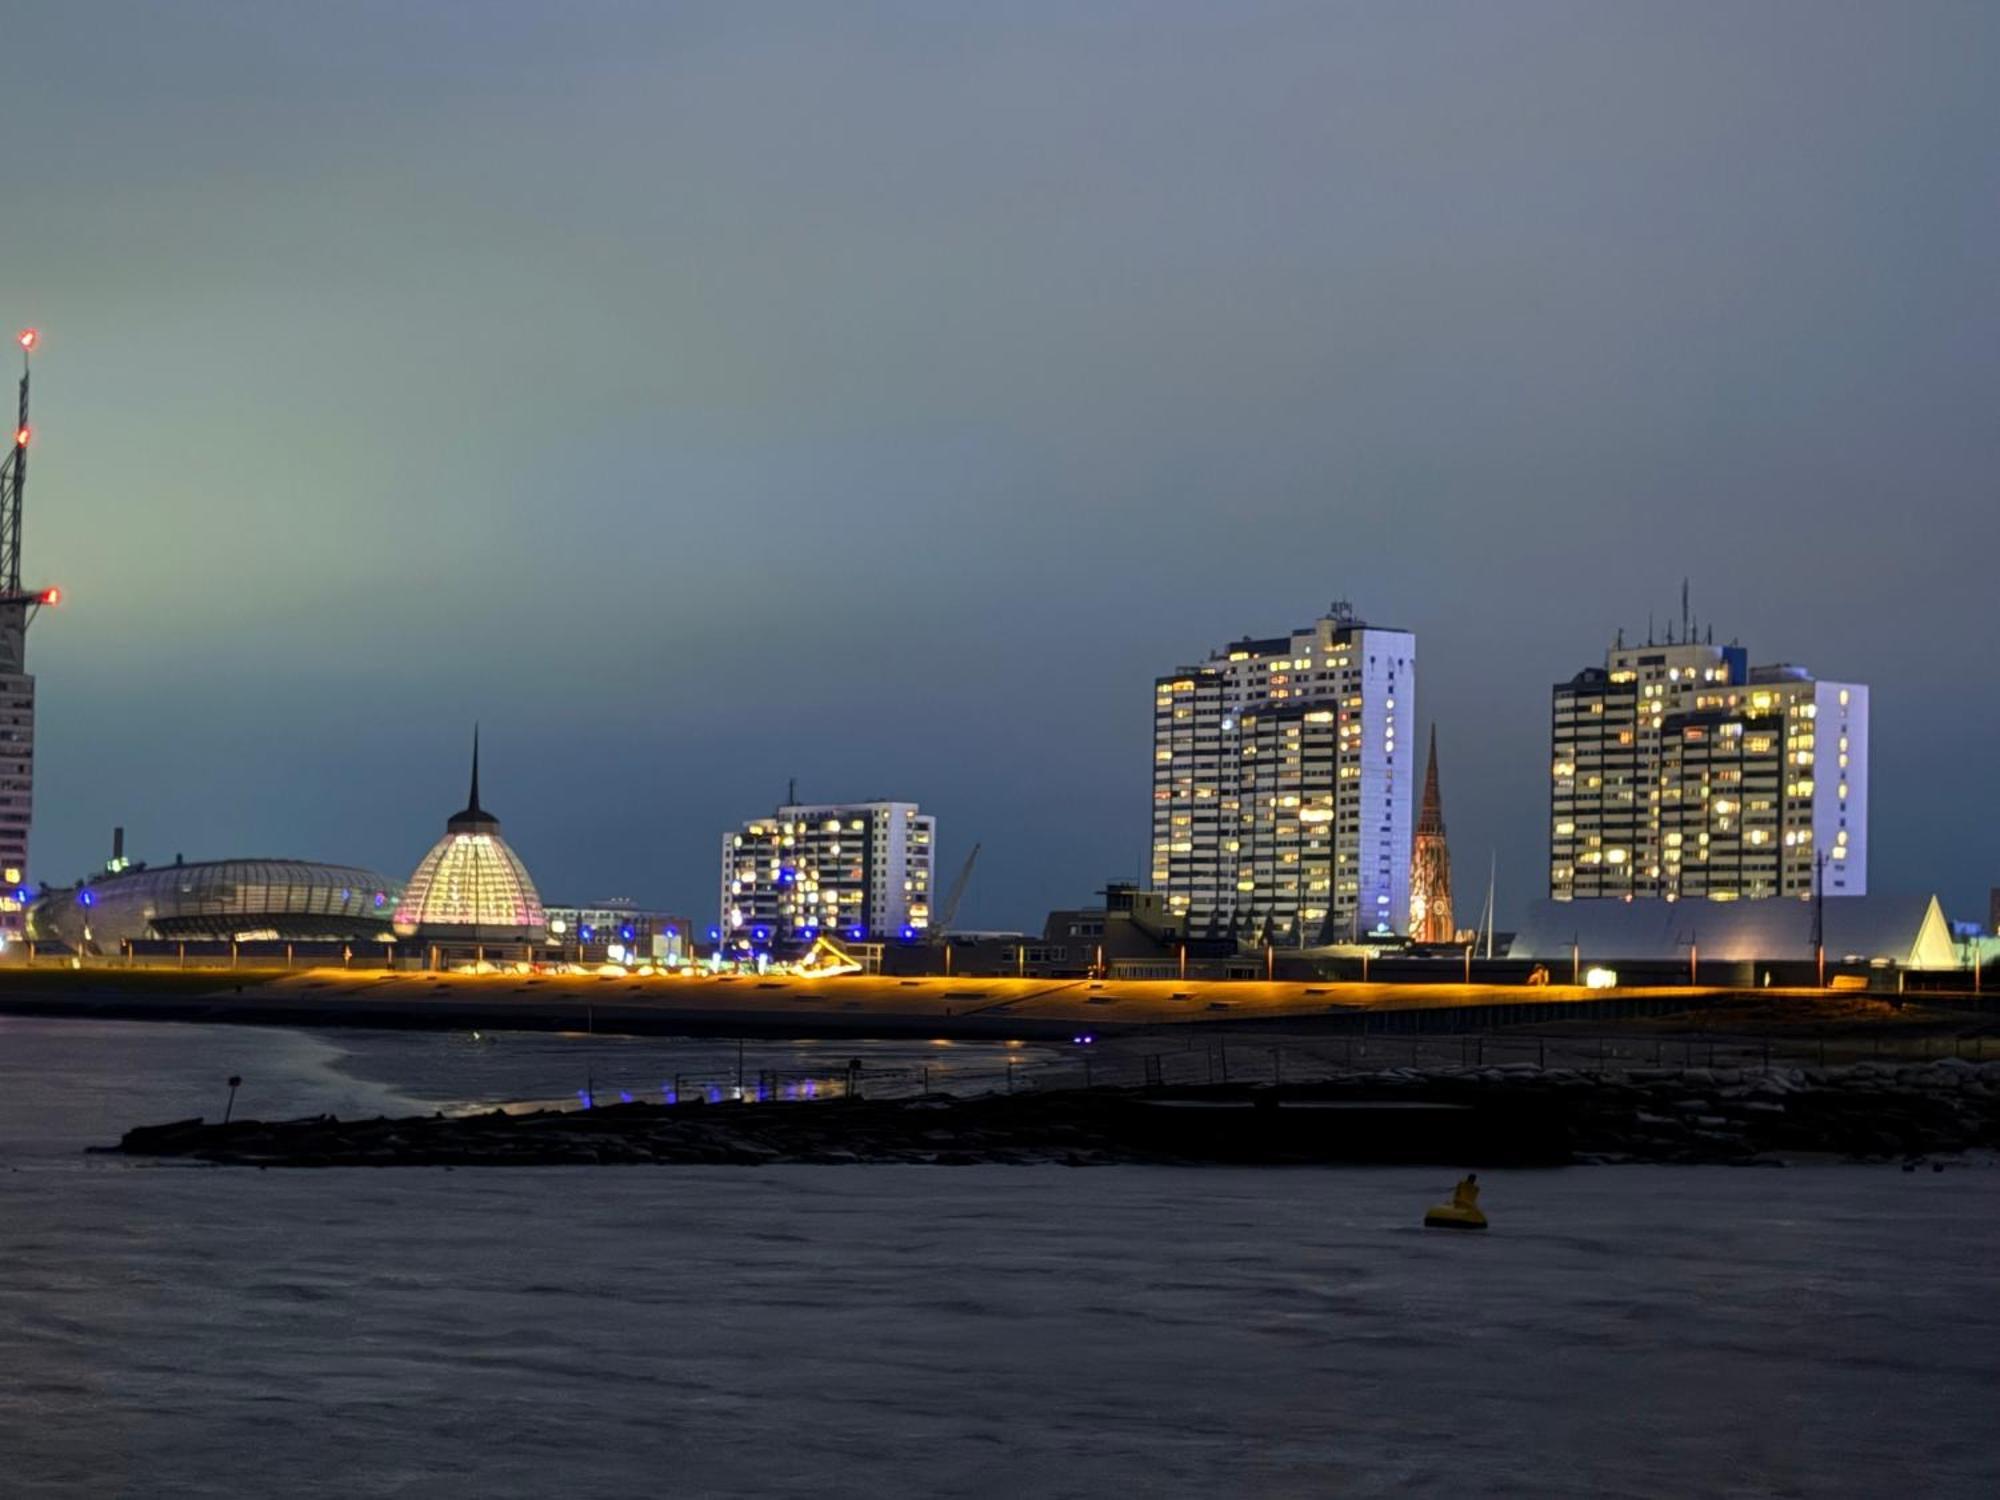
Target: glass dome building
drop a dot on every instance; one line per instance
(472, 887)
(221, 899)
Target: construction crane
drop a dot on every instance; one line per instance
(948, 913)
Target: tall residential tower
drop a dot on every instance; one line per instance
(1681, 770)
(1282, 773)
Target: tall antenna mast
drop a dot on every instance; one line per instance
(14, 477)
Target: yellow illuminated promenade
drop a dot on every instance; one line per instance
(853, 1004)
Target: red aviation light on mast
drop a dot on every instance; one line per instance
(27, 338)
(21, 436)
(51, 596)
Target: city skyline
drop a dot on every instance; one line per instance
(687, 480)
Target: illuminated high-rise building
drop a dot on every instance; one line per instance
(18, 607)
(859, 871)
(1679, 770)
(1430, 863)
(1282, 779)
(472, 887)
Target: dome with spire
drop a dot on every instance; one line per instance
(472, 887)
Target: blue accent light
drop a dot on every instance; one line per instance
(21, 894)
(856, 934)
(624, 1096)
(715, 934)
(584, 1096)
(586, 933)
(673, 932)
(787, 876)
(381, 898)
(627, 933)
(909, 933)
(808, 932)
(86, 897)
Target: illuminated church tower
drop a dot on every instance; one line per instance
(1430, 864)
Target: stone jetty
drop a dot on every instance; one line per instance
(1517, 1115)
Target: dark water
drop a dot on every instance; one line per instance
(178, 1330)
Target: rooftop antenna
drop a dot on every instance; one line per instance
(1649, 627)
(1684, 609)
(14, 477)
(17, 609)
(792, 791)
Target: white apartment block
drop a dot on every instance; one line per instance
(1283, 770)
(853, 870)
(1681, 771)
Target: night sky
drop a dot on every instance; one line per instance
(701, 396)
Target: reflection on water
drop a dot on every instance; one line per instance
(177, 1330)
(459, 1070)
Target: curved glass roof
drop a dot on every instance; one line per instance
(206, 875)
(471, 884)
(219, 898)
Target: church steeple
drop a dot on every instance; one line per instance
(1430, 817)
(1430, 864)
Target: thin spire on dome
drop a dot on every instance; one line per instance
(473, 805)
(474, 815)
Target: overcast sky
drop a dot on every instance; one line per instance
(702, 396)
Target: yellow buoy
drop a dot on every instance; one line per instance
(1463, 1210)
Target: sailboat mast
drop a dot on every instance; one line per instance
(1492, 882)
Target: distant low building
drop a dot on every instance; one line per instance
(1134, 935)
(593, 932)
(1906, 932)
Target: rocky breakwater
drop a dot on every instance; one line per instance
(1867, 1110)
(1504, 1116)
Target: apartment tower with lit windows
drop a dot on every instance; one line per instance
(852, 870)
(1679, 770)
(1282, 776)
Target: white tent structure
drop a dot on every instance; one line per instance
(1906, 932)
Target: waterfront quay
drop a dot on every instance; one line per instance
(854, 1005)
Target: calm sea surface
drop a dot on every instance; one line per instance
(180, 1330)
